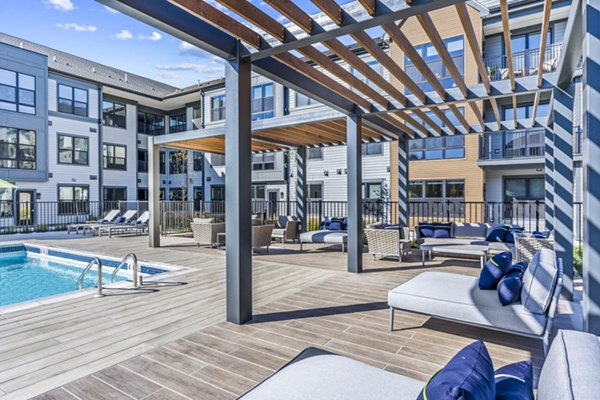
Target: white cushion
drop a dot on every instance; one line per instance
(538, 281)
(204, 220)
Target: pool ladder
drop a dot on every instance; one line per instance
(96, 261)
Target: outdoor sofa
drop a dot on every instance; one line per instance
(457, 298)
(569, 372)
(388, 240)
(285, 228)
(205, 231)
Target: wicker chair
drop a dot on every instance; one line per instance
(261, 236)
(285, 228)
(526, 247)
(388, 242)
(206, 233)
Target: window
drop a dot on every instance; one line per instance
(17, 148)
(162, 166)
(178, 194)
(177, 123)
(142, 160)
(142, 194)
(217, 160)
(17, 92)
(72, 100)
(436, 190)
(178, 162)
(315, 191)
(217, 108)
(115, 156)
(455, 47)
(262, 102)
(73, 200)
(375, 65)
(196, 112)
(151, 124)
(525, 111)
(259, 193)
(161, 194)
(217, 193)
(114, 193)
(315, 153)
(436, 120)
(372, 190)
(72, 150)
(371, 149)
(522, 189)
(437, 148)
(113, 114)
(302, 100)
(198, 160)
(263, 161)
(6, 203)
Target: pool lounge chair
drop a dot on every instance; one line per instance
(93, 226)
(139, 226)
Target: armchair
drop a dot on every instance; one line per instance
(205, 233)
(285, 228)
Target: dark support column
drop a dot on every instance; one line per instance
(549, 179)
(403, 205)
(563, 183)
(591, 166)
(153, 193)
(301, 188)
(354, 157)
(238, 191)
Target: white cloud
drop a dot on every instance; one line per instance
(190, 49)
(77, 27)
(110, 10)
(61, 5)
(155, 37)
(200, 68)
(168, 75)
(124, 34)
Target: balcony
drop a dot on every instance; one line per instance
(519, 144)
(525, 63)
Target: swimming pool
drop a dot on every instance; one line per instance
(29, 272)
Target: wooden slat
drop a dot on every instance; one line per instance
(369, 5)
(396, 121)
(543, 44)
(496, 110)
(332, 10)
(514, 104)
(507, 45)
(246, 10)
(536, 103)
(294, 13)
(409, 119)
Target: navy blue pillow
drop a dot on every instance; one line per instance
(509, 287)
(520, 266)
(497, 234)
(335, 226)
(325, 223)
(425, 230)
(540, 235)
(494, 269)
(510, 235)
(515, 382)
(442, 230)
(468, 376)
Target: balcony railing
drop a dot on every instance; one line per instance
(517, 144)
(525, 63)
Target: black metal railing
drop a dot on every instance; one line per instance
(525, 63)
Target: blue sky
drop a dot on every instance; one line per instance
(88, 29)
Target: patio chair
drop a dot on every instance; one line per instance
(285, 228)
(93, 226)
(138, 226)
(526, 246)
(261, 236)
(388, 242)
(126, 218)
(205, 233)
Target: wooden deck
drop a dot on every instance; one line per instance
(172, 343)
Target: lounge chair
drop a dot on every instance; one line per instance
(138, 226)
(569, 372)
(458, 298)
(93, 226)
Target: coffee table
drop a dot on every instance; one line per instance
(481, 251)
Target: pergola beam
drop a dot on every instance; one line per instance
(542, 59)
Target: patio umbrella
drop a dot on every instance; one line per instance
(6, 185)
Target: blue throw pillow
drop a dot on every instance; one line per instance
(515, 382)
(442, 230)
(540, 235)
(120, 220)
(509, 287)
(510, 235)
(468, 376)
(497, 234)
(494, 269)
(425, 230)
(324, 224)
(520, 266)
(335, 226)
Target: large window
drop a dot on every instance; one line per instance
(525, 111)
(73, 200)
(162, 165)
(437, 148)
(262, 102)
(524, 188)
(302, 100)
(455, 47)
(263, 161)
(178, 194)
(72, 100)
(217, 193)
(114, 193)
(315, 153)
(115, 156)
(113, 114)
(315, 191)
(436, 190)
(217, 108)
(17, 92)
(198, 160)
(142, 194)
(436, 120)
(177, 123)
(178, 162)
(142, 160)
(372, 190)
(151, 124)
(17, 148)
(371, 149)
(73, 150)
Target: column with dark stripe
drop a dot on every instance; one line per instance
(549, 179)
(301, 188)
(563, 183)
(403, 204)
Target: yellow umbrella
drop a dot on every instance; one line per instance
(6, 185)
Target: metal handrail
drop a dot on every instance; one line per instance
(95, 261)
(135, 269)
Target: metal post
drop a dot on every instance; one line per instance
(355, 233)
(403, 204)
(238, 190)
(99, 293)
(154, 192)
(563, 183)
(591, 166)
(301, 187)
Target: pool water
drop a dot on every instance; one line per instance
(25, 277)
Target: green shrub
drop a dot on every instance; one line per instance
(41, 228)
(578, 259)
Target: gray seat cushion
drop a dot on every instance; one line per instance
(458, 297)
(278, 232)
(571, 369)
(333, 377)
(470, 230)
(324, 236)
(538, 281)
(444, 241)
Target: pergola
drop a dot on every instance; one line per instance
(294, 55)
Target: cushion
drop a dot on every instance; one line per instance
(497, 234)
(469, 230)
(335, 226)
(571, 368)
(494, 269)
(120, 220)
(510, 235)
(425, 229)
(457, 297)
(509, 287)
(204, 220)
(442, 230)
(468, 375)
(539, 280)
(540, 235)
(324, 223)
(514, 381)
